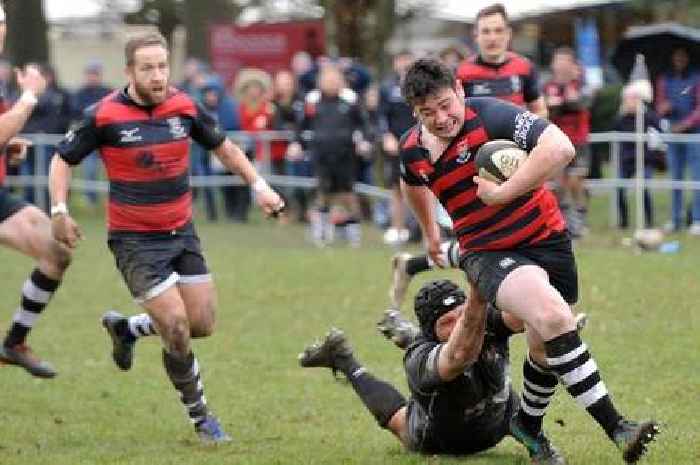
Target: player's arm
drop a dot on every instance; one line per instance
(32, 84)
(79, 142)
(464, 344)
(233, 158)
(206, 132)
(538, 107)
(533, 97)
(422, 202)
(550, 150)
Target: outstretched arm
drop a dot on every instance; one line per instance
(12, 121)
(464, 344)
(422, 202)
(233, 158)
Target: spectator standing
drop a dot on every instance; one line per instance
(256, 113)
(568, 108)
(396, 117)
(334, 115)
(626, 122)
(678, 100)
(289, 109)
(90, 92)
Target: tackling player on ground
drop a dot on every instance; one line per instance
(457, 371)
(143, 134)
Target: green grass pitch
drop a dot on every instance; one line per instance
(276, 294)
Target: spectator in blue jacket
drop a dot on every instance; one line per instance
(678, 100)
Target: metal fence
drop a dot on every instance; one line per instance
(44, 144)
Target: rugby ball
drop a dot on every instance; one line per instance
(648, 239)
(499, 159)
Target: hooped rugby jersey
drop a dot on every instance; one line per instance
(515, 80)
(528, 219)
(145, 151)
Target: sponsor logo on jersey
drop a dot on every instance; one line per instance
(129, 135)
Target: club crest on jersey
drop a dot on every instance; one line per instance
(177, 130)
(129, 135)
(463, 157)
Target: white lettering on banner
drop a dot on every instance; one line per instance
(250, 44)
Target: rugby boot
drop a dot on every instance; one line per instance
(210, 431)
(632, 438)
(400, 279)
(541, 451)
(23, 356)
(326, 353)
(397, 329)
(123, 343)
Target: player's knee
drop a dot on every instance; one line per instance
(397, 423)
(555, 318)
(176, 334)
(61, 256)
(206, 322)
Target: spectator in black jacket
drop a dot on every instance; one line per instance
(396, 117)
(626, 122)
(338, 125)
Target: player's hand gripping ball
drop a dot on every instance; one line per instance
(499, 159)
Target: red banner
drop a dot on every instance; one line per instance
(268, 46)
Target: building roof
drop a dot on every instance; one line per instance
(461, 10)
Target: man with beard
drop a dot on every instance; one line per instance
(143, 134)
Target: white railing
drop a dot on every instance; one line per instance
(607, 185)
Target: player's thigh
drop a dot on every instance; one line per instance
(196, 287)
(145, 265)
(516, 284)
(29, 231)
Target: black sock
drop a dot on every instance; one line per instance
(539, 386)
(418, 264)
(185, 376)
(381, 398)
(36, 293)
(578, 372)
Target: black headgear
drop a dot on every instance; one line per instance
(435, 299)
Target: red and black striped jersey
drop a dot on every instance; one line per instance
(145, 151)
(528, 219)
(515, 80)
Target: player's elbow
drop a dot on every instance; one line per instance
(559, 148)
